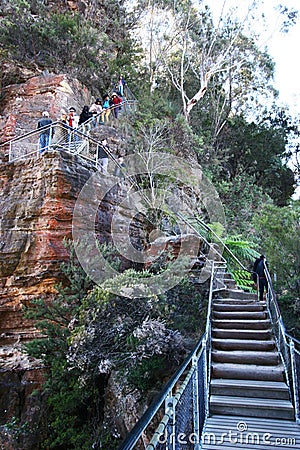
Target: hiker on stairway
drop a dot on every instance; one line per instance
(73, 121)
(107, 104)
(96, 109)
(120, 86)
(102, 156)
(46, 134)
(117, 101)
(260, 277)
(84, 115)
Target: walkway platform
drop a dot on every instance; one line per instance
(249, 433)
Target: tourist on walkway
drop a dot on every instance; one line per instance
(107, 104)
(96, 109)
(117, 101)
(47, 133)
(260, 277)
(84, 115)
(73, 121)
(121, 85)
(102, 156)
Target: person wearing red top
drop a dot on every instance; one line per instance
(116, 104)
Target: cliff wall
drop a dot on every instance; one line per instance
(37, 198)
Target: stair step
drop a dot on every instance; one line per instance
(242, 315)
(233, 307)
(242, 334)
(237, 302)
(229, 282)
(243, 344)
(249, 433)
(250, 388)
(236, 294)
(247, 371)
(253, 407)
(246, 357)
(241, 324)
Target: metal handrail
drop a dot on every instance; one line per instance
(88, 124)
(81, 132)
(80, 128)
(143, 422)
(208, 228)
(199, 234)
(288, 342)
(201, 348)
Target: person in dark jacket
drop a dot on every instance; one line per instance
(260, 275)
(84, 115)
(102, 156)
(45, 134)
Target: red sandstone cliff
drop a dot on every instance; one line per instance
(37, 198)
(22, 104)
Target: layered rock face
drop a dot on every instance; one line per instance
(37, 198)
(22, 104)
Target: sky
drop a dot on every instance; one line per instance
(282, 47)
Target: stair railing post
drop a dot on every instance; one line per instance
(170, 409)
(295, 381)
(10, 152)
(206, 377)
(196, 414)
(51, 133)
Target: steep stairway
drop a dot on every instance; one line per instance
(247, 375)
(249, 399)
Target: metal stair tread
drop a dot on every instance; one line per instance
(251, 384)
(217, 429)
(253, 331)
(240, 341)
(251, 401)
(236, 366)
(246, 321)
(219, 421)
(271, 357)
(232, 308)
(243, 315)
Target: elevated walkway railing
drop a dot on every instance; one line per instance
(182, 407)
(60, 136)
(289, 347)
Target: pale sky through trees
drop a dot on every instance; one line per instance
(282, 47)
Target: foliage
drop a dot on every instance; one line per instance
(258, 150)
(149, 372)
(279, 232)
(242, 200)
(242, 249)
(82, 45)
(289, 305)
(72, 404)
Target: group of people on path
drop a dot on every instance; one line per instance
(72, 119)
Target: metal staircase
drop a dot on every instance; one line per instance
(242, 390)
(247, 373)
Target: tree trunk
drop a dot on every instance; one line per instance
(191, 103)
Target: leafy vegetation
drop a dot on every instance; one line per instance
(86, 44)
(213, 114)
